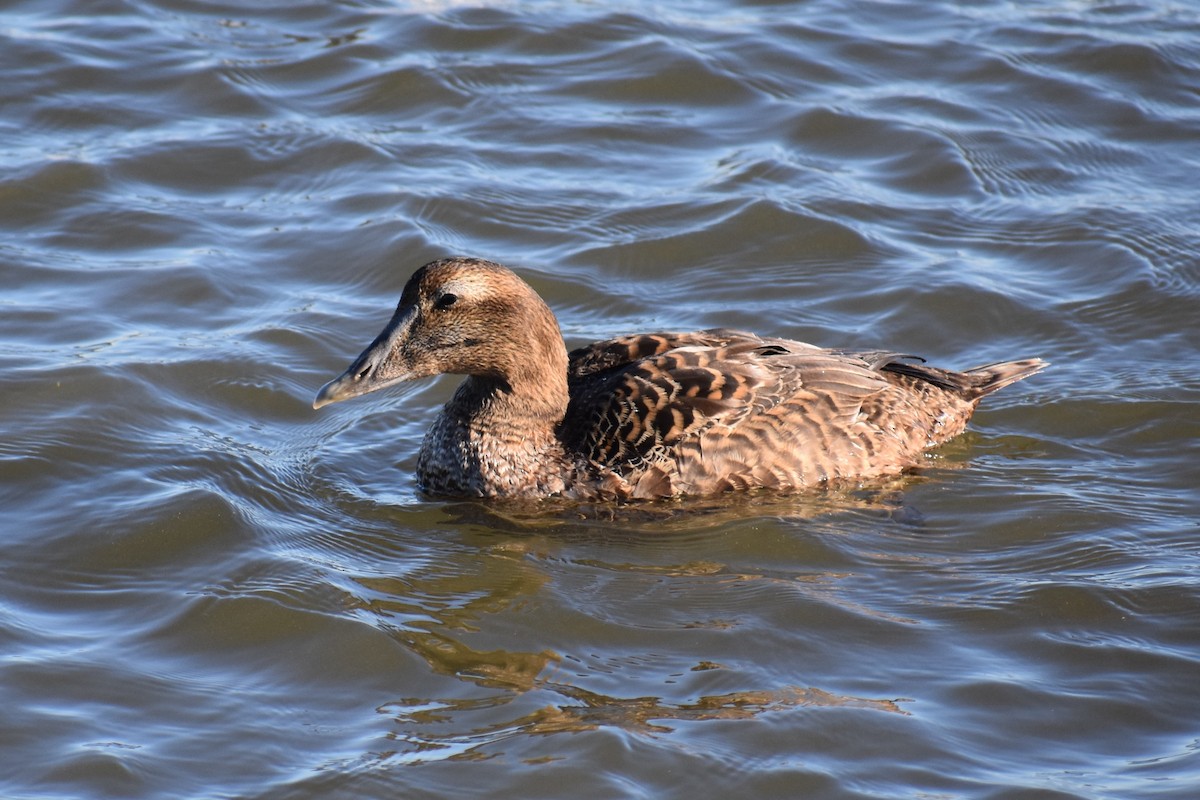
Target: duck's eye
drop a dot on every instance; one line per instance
(445, 301)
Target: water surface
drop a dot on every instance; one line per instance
(210, 590)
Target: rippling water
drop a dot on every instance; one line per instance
(209, 590)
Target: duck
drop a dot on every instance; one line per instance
(649, 415)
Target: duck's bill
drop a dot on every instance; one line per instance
(347, 386)
(375, 369)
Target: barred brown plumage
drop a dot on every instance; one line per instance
(652, 414)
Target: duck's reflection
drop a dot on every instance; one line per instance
(482, 590)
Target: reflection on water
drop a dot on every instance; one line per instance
(210, 591)
(641, 715)
(433, 615)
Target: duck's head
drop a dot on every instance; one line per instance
(462, 316)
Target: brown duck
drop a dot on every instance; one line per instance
(648, 415)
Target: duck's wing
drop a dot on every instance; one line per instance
(641, 400)
(635, 397)
(609, 355)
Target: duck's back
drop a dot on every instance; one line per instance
(709, 411)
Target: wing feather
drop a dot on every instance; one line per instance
(640, 399)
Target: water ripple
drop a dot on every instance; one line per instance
(209, 209)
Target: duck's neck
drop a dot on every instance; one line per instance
(514, 410)
(497, 437)
(529, 390)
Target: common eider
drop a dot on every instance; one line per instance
(650, 415)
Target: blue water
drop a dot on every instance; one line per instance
(210, 590)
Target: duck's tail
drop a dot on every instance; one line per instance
(989, 378)
(973, 383)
